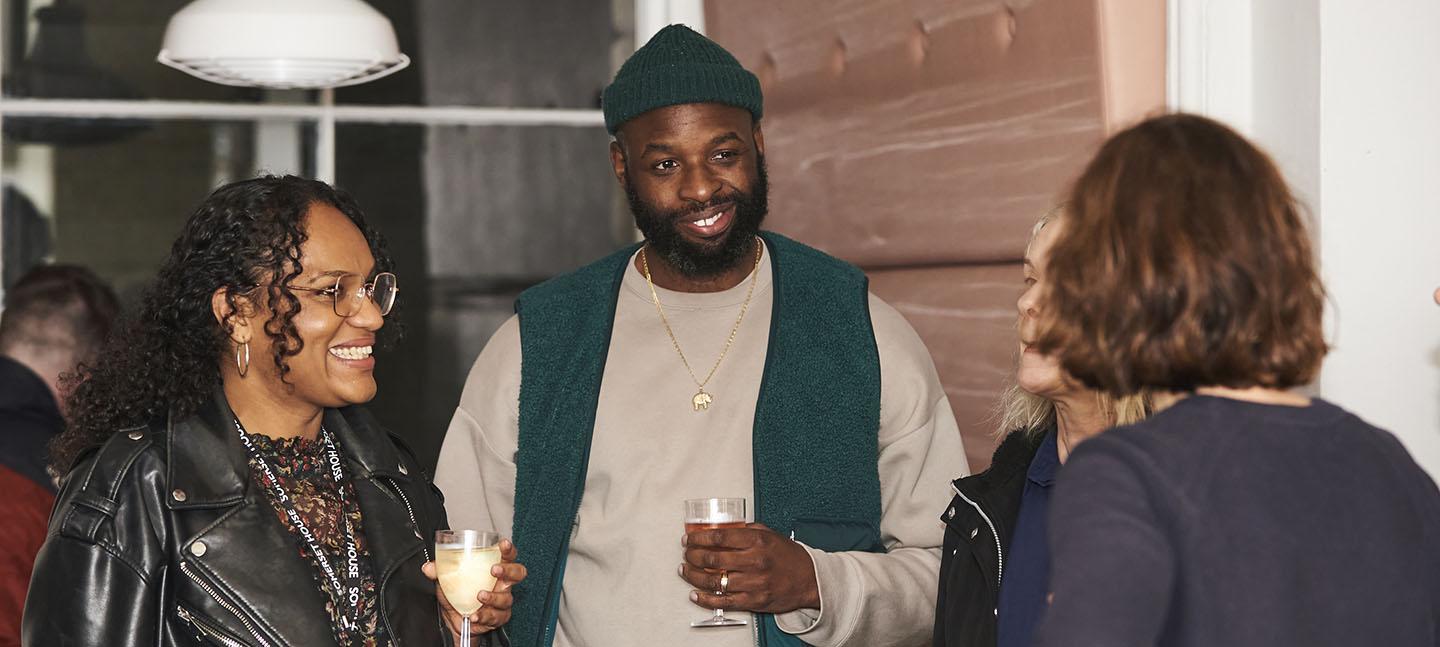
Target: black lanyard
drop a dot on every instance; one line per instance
(349, 591)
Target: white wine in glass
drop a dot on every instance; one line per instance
(703, 514)
(463, 559)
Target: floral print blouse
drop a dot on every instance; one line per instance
(299, 463)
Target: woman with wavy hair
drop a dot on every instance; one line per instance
(223, 485)
(1247, 512)
(995, 565)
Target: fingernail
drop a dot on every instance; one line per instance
(680, 570)
(684, 540)
(694, 596)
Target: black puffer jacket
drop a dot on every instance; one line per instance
(978, 525)
(159, 538)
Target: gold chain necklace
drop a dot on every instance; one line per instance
(702, 399)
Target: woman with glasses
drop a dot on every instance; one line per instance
(222, 484)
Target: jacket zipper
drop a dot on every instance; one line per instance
(206, 631)
(999, 552)
(385, 577)
(413, 524)
(184, 568)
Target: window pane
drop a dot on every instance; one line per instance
(472, 216)
(116, 203)
(533, 54)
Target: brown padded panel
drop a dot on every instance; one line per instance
(958, 121)
(966, 317)
(920, 139)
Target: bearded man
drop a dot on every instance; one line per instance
(713, 360)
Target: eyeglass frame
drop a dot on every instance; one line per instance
(366, 291)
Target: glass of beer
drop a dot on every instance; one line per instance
(704, 514)
(462, 563)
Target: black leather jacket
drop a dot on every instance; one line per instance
(158, 538)
(979, 523)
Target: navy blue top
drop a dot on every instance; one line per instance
(1224, 522)
(1024, 584)
(29, 419)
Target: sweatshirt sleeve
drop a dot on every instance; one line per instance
(881, 599)
(476, 469)
(1112, 566)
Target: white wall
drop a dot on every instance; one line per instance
(653, 15)
(1380, 213)
(1345, 94)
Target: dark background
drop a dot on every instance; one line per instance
(472, 214)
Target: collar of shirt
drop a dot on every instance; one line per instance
(1046, 462)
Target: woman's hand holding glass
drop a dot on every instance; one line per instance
(494, 604)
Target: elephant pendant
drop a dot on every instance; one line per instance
(701, 401)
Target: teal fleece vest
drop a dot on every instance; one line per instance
(817, 421)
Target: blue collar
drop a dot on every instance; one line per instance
(1046, 462)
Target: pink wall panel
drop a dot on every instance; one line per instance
(966, 316)
(920, 139)
(963, 119)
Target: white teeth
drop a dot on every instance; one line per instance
(708, 221)
(352, 352)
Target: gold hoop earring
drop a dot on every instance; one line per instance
(242, 363)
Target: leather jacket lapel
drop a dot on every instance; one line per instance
(395, 555)
(247, 556)
(207, 464)
(393, 503)
(365, 443)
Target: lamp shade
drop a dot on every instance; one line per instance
(282, 44)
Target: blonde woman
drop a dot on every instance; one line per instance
(995, 564)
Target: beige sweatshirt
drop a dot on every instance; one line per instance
(651, 451)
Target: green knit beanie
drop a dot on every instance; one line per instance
(678, 66)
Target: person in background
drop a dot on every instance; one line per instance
(55, 317)
(223, 484)
(1246, 513)
(995, 565)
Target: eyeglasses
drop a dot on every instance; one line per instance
(350, 292)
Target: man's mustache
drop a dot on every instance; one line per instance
(735, 197)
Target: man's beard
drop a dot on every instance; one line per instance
(661, 228)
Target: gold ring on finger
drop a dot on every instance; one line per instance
(724, 582)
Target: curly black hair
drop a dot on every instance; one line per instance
(164, 359)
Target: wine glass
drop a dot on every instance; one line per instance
(704, 514)
(463, 559)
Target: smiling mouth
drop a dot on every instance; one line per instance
(352, 353)
(706, 222)
(712, 222)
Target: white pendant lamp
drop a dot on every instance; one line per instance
(282, 44)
